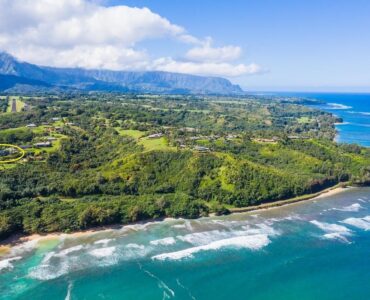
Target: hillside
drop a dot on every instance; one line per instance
(119, 81)
(107, 159)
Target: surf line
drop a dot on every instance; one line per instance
(14, 159)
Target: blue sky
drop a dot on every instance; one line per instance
(260, 44)
(310, 45)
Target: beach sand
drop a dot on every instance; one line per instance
(6, 246)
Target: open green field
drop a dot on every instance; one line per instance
(136, 134)
(155, 144)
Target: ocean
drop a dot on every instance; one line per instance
(317, 249)
(354, 109)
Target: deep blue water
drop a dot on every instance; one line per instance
(319, 249)
(353, 108)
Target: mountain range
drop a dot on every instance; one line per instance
(17, 76)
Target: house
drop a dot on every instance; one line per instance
(42, 144)
(25, 147)
(263, 140)
(201, 149)
(155, 136)
(32, 125)
(51, 138)
(58, 129)
(55, 119)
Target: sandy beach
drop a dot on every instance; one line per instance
(6, 246)
(322, 194)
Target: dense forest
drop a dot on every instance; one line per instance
(102, 159)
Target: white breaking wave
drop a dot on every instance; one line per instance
(7, 263)
(351, 208)
(185, 225)
(139, 227)
(61, 253)
(103, 241)
(253, 242)
(200, 238)
(333, 231)
(135, 246)
(102, 252)
(24, 247)
(362, 223)
(338, 106)
(163, 242)
(69, 250)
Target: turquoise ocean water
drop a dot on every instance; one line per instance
(319, 249)
(313, 250)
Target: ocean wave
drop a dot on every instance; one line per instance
(355, 207)
(46, 271)
(361, 223)
(135, 246)
(365, 113)
(343, 123)
(7, 263)
(164, 242)
(140, 226)
(333, 231)
(61, 253)
(103, 252)
(253, 242)
(185, 225)
(24, 247)
(199, 238)
(338, 106)
(103, 241)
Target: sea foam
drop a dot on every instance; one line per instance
(253, 242)
(351, 208)
(361, 223)
(164, 242)
(102, 252)
(338, 106)
(333, 231)
(7, 263)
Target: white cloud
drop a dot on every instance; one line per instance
(205, 68)
(207, 53)
(84, 33)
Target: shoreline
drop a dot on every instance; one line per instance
(9, 243)
(341, 187)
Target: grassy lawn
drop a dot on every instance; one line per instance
(155, 144)
(136, 134)
(304, 120)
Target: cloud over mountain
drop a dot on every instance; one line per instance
(81, 33)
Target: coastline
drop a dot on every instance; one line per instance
(8, 244)
(341, 187)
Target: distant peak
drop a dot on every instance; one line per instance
(6, 55)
